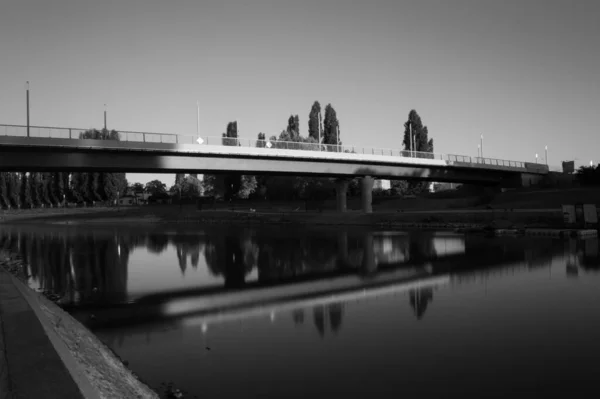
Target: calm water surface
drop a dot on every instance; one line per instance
(288, 312)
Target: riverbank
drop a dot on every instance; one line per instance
(96, 369)
(189, 214)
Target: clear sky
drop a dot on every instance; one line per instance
(524, 73)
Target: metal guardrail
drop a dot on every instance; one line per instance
(170, 138)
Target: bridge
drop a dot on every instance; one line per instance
(61, 149)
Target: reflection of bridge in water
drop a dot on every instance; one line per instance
(91, 269)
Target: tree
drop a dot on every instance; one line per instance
(14, 190)
(4, 202)
(293, 127)
(330, 126)
(137, 188)
(421, 144)
(58, 186)
(314, 124)
(25, 192)
(261, 141)
(35, 183)
(419, 132)
(230, 137)
(156, 187)
(247, 187)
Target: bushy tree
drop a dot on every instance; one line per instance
(25, 194)
(14, 190)
(293, 128)
(4, 201)
(422, 145)
(156, 187)
(314, 124)
(330, 126)
(261, 141)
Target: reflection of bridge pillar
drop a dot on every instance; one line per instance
(368, 262)
(341, 190)
(366, 194)
(343, 247)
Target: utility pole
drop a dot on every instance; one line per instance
(27, 108)
(546, 155)
(482, 146)
(337, 127)
(410, 137)
(104, 116)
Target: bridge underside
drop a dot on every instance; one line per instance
(44, 155)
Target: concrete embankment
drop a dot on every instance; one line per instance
(46, 353)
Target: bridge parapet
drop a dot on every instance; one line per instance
(189, 143)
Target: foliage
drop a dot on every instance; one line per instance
(330, 126)
(314, 124)
(261, 141)
(293, 128)
(155, 187)
(588, 175)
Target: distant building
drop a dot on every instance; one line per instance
(382, 184)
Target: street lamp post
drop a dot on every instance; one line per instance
(410, 137)
(546, 149)
(536, 158)
(27, 100)
(482, 146)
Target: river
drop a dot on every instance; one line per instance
(294, 312)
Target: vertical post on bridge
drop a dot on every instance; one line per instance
(27, 108)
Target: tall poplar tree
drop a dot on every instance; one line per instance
(330, 126)
(313, 121)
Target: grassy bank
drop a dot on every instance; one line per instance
(171, 214)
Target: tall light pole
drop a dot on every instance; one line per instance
(27, 108)
(478, 150)
(104, 116)
(482, 146)
(337, 128)
(536, 156)
(546, 149)
(410, 137)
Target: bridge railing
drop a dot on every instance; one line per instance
(146, 137)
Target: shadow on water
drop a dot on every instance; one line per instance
(88, 268)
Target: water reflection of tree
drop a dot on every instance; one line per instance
(93, 267)
(419, 300)
(421, 248)
(335, 313)
(228, 255)
(187, 246)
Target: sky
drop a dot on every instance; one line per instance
(525, 74)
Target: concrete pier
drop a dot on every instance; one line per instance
(341, 191)
(367, 194)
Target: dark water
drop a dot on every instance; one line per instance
(285, 312)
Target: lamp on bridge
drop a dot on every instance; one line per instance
(27, 102)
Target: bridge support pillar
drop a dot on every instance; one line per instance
(341, 190)
(367, 194)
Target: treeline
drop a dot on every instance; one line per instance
(588, 176)
(323, 134)
(26, 190)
